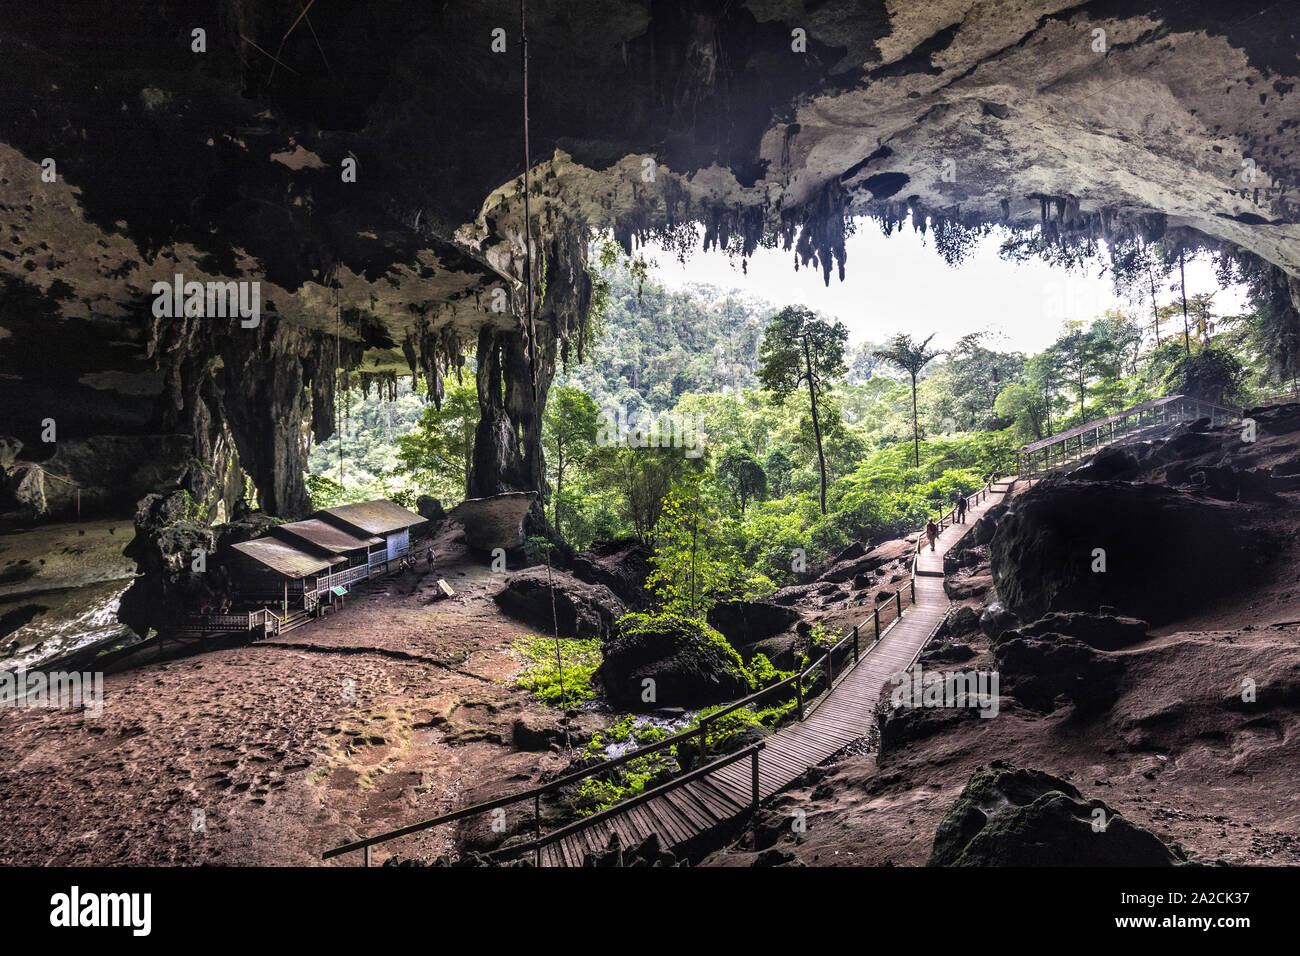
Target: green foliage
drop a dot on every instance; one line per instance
(372, 427)
(698, 646)
(692, 568)
(911, 356)
(742, 475)
(601, 791)
(1212, 374)
(541, 674)
(437, 452)
(802, 351)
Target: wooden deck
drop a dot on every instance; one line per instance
(843, 716)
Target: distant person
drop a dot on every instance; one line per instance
(931, 532)
(961, 510)
(431, 557)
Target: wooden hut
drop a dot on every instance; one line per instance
(380, 518)
(273, 571)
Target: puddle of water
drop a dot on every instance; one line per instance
(75, 618)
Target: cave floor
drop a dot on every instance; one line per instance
(377, 717)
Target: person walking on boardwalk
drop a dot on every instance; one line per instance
(961, 509)
(931, 532)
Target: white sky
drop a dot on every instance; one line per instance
(900, 283)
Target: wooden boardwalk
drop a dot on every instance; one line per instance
(843, 716)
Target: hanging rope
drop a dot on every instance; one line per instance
(338, 395)
(528, 219)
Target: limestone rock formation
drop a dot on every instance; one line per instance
(622, 566)
(1075, 546)
(1008, 816)
(494, 522)
(383, 241)
(747, 622)
(580, 609)
(689, 663)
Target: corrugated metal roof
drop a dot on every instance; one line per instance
(283, 558)
(373, 517)
(325, 535)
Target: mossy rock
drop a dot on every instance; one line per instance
(690, 663)
(1008, 816)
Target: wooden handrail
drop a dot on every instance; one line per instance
(583, 823)
(700, 731)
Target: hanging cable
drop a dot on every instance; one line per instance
(338, 394)
(528, 220)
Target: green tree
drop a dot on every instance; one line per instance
(438, 451)
(1137, 268)
(569, 430)
(690, 568)
(911, 356)
(799, 350)
(1027, 408)
(1212, 374)
(1074, 351)
(742, 475)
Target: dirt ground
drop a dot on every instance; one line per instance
(373, 718)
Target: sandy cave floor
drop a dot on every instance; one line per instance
(373, 718)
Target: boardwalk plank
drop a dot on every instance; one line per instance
(841, 717)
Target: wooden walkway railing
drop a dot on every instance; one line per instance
(1075, 444)
(705, 804)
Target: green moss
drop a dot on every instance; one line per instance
(542, 674)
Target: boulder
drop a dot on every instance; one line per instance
(621, 565)
(964, 620)
(847, 568)
(1114, 462)
(1040, 671)
(966, 586)
(580, 610)
(981, 532)
(494, 522)
(899, 726)
(782, 650)
(744, 622)
(793, 594)
(1006, 816)
(947, 654)
(997, 619)
(429, 507)
(690, 663)
(536, 732)
(1106, 632)
(1154, 541)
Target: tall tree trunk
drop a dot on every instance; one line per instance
(817, 428)
(559, 488)
(1155, 311)
(916, 431)
(1182, 281)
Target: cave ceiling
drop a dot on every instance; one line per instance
(227, 163)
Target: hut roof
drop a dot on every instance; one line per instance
(325, 535)
(373, 517)
(283, 558)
